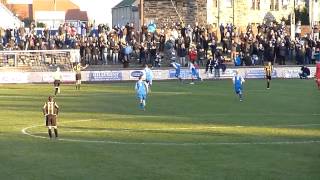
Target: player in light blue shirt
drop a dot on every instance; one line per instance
(194, 68)
(177, 67)
(149, 76)
(237, 82)
(141, 88)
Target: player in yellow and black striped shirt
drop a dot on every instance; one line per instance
(268, 70)
(50, 111)
(77, 69)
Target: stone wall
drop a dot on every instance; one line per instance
(162, 11)
(242, 13)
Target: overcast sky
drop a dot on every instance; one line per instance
(99, 9)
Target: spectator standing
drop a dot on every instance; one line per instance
(317, 74)
(282, 54)
(192, 55)
(221, 32)
(308, 55)
(115, 53)
(142, 54)
(182, 52)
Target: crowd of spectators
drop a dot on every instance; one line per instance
(157, 44)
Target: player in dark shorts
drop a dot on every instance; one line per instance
(50, 111)
(57, 76)
(56, 84)
(268, 70)
(78, 69)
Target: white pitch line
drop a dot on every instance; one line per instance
(301, 125)
(186, 128)
(24, 131)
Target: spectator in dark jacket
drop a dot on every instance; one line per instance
(282, 54)
(308, 55)
(209, 65)
(305, 72)
(182, 53)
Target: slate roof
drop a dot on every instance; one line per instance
(124, 3)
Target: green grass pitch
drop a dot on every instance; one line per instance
(198, 131)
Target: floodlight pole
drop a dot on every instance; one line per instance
(311, 16)
(141, 13)
(233, 7)
(292, 20)
(218, 12)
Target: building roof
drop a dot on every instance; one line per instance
(56, 5)
(76, 14)
(124, 3)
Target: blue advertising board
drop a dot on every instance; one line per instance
(184, 73)
(136, 74)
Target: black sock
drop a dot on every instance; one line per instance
(56, 132)
(268, 84)
(50, 133)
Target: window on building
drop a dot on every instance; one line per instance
(215, 3)
(228, 3)
(274, 5)
(255, 5)
(300, 2)
(285, 4)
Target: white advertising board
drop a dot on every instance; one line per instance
(126, 75)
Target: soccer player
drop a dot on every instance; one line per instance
(141, 88)
(237, 82)
(177, 67)
(149, 76)
(57, 76)
(268, 70)
(78, 69)
(50, 111)
(194, 68)
(317, 74)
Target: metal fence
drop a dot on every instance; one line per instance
(32, 58)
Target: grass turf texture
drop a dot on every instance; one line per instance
(198, 131)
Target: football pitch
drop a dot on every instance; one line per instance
(198, 131)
